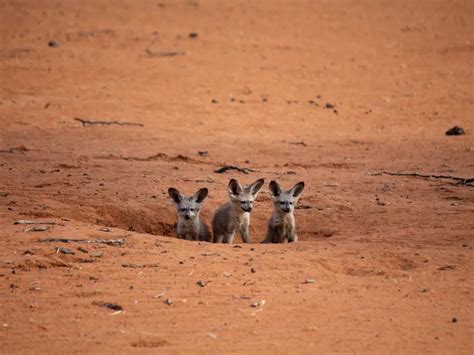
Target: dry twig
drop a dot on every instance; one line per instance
(164, 54)
(459, 180)
(106, 123)
(232, 167)
(113, 242)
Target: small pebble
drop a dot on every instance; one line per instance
(64, 251)
(454, 320)
(201, 283)
(455, 131)
(253, 270)
(258, 304)
(53, 44)
(168, 301)
(309, 281)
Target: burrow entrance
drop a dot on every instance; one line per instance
(142, 220)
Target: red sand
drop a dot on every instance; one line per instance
(390, 255)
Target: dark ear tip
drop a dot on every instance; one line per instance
(301, 183)
(171, 190)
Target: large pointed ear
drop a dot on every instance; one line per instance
(256, 186)
(234, 187)
(200, 195)
(275, 189)
(297, 189)
(175, 195)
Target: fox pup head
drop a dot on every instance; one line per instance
(188, 207)
(285, 201)
(243, 196)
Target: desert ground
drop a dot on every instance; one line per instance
(332, 93)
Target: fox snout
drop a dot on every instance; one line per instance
(247, 208)
(187, 215)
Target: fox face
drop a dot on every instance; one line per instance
(285, 201)
(188, 207)
(244, 196)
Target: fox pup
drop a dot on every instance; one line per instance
(235, 215)
(281, 226)
(190, 226)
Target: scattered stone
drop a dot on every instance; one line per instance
(258, 304)
(212, 335)
(214, 101)
(227, 274)
(201, 283)
(455, 131)
(53, 44)
(159, 295)
(168, 301)
(425, 290)
(35, 286)
(83, 250)
(193, 35)
(446, 267)
(241, 297)
(253, 270)
(105, 229)
(210, 254)
(113, 306)
(329, 105)
(203, 153)
(64, 251)
(97, 254)
(454, 320)
(309, 281)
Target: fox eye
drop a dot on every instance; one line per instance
(191, 209)
(291, 203)
(182, 209)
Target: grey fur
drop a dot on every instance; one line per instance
(235, 215)
(282, 226)
(190, 226)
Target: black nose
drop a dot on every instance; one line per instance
(187, 216)
(285, 209)
(247, 209)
